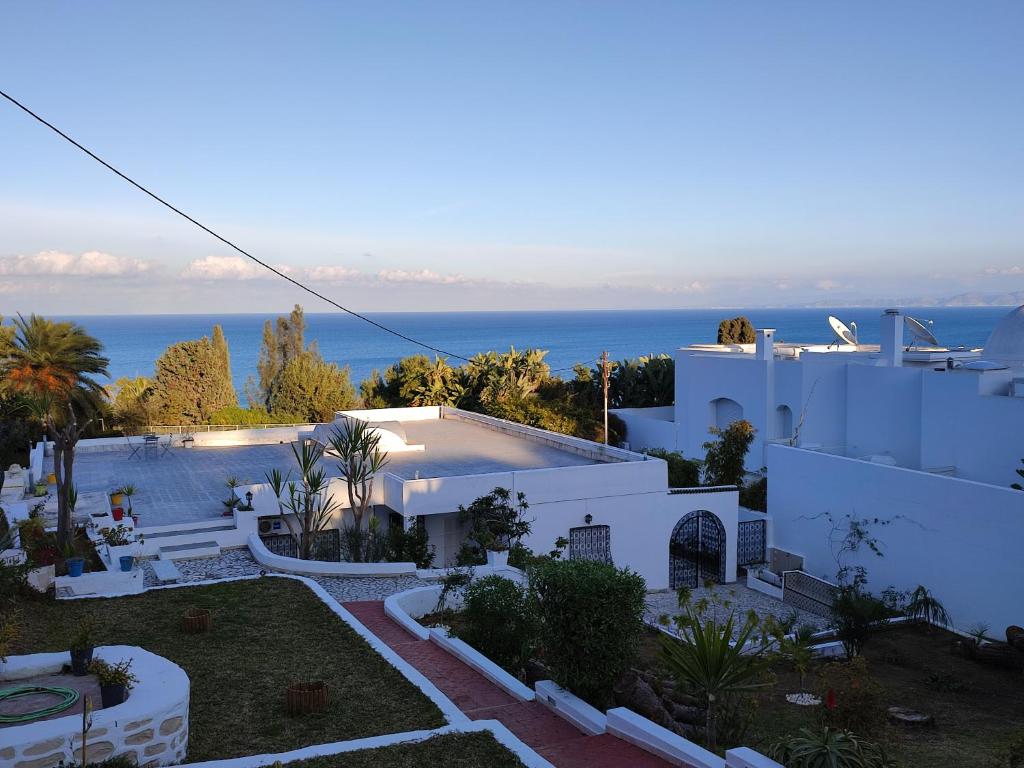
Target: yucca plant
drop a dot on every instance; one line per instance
(828, 748)
(711, 664)
(308, 507)
(923, 607)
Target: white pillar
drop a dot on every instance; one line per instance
(892, 338)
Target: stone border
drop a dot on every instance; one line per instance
(570, 707)
(502, 734)
(636, 729)
(151, 726)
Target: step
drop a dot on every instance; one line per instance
(166, 571)
(188, 531)
(190, 551)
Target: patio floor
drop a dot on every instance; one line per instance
(181, 485)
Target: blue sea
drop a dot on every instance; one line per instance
(134, 342)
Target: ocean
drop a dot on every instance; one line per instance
(133, 342)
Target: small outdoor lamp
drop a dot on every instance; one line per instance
(248, 499)
(588, 519)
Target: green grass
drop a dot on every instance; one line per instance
(462, 750)
(266, 633)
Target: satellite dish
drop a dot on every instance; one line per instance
(842, 331)
(919, 332)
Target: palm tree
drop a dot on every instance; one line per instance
(357, 445)
(308, 507)
(53, 366)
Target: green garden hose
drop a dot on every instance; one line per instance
(68, 697)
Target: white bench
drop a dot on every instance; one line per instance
(166, 571)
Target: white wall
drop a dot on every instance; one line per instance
(649, 427)
(958, 538)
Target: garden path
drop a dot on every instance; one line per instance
(549, 735)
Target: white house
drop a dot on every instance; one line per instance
(926, 438)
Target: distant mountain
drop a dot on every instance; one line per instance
(1011, 299)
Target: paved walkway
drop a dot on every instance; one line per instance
(548, 734)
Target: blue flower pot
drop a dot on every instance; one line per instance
(76, 566)
(127, 561)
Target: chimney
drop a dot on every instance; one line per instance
(764, 349)
(892, 338)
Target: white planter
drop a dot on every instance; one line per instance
(497, 559)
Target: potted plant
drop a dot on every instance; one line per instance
(40, 488)
(129, 490)
(122, 548)
(82, 645)
(116, 497)
(195, 621)
(115, 680)
(306, 697)
(75, 565)
(232, 501)
(117, 513)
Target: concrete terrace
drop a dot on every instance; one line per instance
(185, 485)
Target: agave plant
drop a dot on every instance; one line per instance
(923, 607)
(828, 748)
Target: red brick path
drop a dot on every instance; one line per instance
(549, 735)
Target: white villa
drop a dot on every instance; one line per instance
(927, 438)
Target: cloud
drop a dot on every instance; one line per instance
(694, 287)
(332, 274)
(223, 268)
(827, 285)
(88, 264)
(1014, 270)
(420, 276)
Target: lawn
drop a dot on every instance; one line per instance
(462, 750)
(266, 633)
(978, 709)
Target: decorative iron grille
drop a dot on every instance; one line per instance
(696, 550)
(751, 541)
(808, 593)
(593, 542)
(326, 545)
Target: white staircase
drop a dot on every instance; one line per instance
(189, 550)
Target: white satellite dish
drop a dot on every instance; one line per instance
(842, 331)
(919, 332)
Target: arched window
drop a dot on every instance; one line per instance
(784, 422)
(724, 412)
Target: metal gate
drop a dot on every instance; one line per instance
(326, 546)
(751, 538)
(591, 543)
(697, 550)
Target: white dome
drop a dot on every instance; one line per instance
(1006, 344)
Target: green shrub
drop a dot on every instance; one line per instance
(410, 546)
(854, 611)
(591, 623)
(858, 697)
(498, 620)
(828, 747)
(682, 472)
(755, 495)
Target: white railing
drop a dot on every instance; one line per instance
(182, 429)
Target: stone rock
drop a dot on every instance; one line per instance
(635, 693)
(43, 747)
(137, 724)
(140, 738)
(98, 752)
(909, 717)
(170, 725)
(154, 749)
(7, 753)
(1015, 637)
(688, 715)
(50, 761)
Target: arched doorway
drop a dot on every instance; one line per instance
(696, 551)
(784, 422)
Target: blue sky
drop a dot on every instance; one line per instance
(481, 155)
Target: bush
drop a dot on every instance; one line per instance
(854, 611)
(591, 623)
(498, 620)
(410, 546)
(858, 697)
(682, 472)
(755, 495)
(828, 747)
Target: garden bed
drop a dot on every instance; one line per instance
(978, 709)
(266, 634)
(456, 750)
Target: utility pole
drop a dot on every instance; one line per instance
(605, 367)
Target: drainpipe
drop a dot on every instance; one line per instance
(764, 353)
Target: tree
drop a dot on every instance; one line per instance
(220, 348)
(54, 366)
(711, 663)
(190, 383)
(357, 446)
(283, 341)
(131, 401)
(1020, 472)
(307, 508)
(738, 330)
(496, 522)
(723, 464)
(311, 389)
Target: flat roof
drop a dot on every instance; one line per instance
(456, 447)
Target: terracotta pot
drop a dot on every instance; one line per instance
(306, 698)
(196, 621)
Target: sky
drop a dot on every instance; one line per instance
(518, 155)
